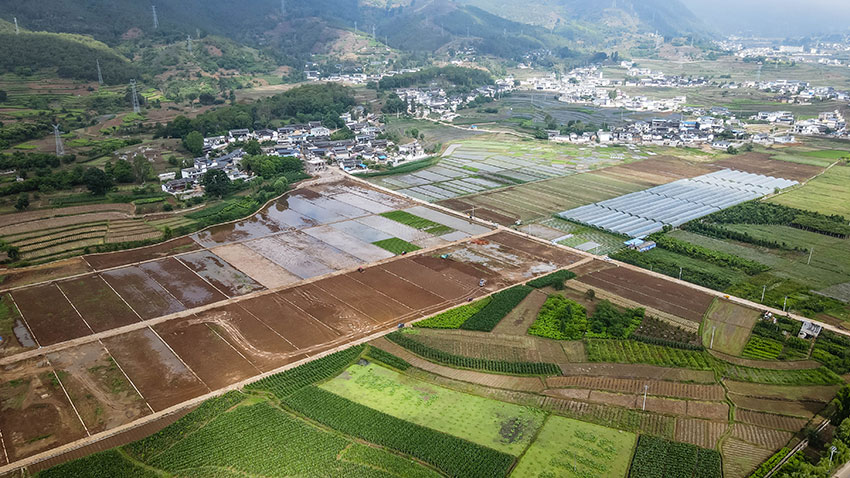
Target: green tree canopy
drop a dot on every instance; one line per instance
(97, 181)
(194, 142)
(216, 183)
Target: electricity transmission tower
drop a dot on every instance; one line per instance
(189, 43)
(99, 73)
(60, 148)
(283, 8)
(155, 19)
(136, 107)
(17, 30)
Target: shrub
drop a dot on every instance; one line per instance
(454, 318)
(500, 305)
(560, 319)
(555, 279)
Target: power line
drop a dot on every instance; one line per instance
(17, 30)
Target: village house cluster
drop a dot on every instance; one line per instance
(435, 102)
(310, 142)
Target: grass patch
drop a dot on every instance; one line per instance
(573, 449)
(396, 245)
(417, 222)
(439, 408)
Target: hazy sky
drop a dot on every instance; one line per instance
(774, 17)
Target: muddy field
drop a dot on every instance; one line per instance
(760, 163)
(98, 303)
(675, 299)
(32, 275)
(49, 315)
(221, 275)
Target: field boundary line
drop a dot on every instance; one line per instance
(121, 297)
(377, 333)
(74, 307)
(74, 407)
(32, 334)
(202, 278)
(179, 358)
(126, 376)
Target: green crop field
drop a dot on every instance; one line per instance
(727, 326)
(396, 245)
(502, 426)
(828, 154)
(827, 194)
(569, 448)
(657, 457)
(417, 222)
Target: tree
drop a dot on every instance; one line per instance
(253, 148)
(122, 172)
(194, 142)
(215, 183)
(3, 96)
(142, 168)
(206, 99)
(97, 181)
(343, 133)
(23, 202)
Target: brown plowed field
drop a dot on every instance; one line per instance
(760, 163)
(19, 338)
(783, 407)
(460, 272)
(98, 388)
(182, 283)
(520, 319)
(99, 305)
(32, 275)
(491, 346)
(675, 299)
(608, 398)
(568, 393)
(741, 458)
(299, 328)
(332, 312)
(638, 371)
(698, 432)
(434, 281)
(763, 437)
(408, 293)
(50, 316)
(811, 393)
(260, 344)
(220, 274)
(145, 295)
(657, 170)
(657, 388)
(769, 420)
(708, 410)
(537, 249)
(667, 406)
(37, 415)
(159, 375)
(116, 259)
(595, 265)
(204, 351)
(363, 298)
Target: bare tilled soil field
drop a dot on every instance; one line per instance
(657, 388)
(702, 433)
(764, 437)
(770, 420)
(638, 371)
(740, 458)
(801, 409)
(760, 163)
(675, 299)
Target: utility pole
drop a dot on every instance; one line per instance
(189, 43)
(60, 148)
(832, 451)
(17, 30)
(645, 389)
(680, 273)
(811, 251)
(155, 19)
(711, 344)
(355, 27)
(785, 304)
(136, 108)
(373, 32)
(763, 290)
(99, 73)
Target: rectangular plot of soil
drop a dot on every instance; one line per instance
(292, 260)
(699, 432)
(209, 355)
(145, 295)
(159, 375)
(770, 420)
(537, 249)
(299, 328)
(317, 213)
(328, 310)
(50, 316)
(256, 266)
(98, 388)
(116, 259)
(37, 415)
(220, 274)
(351, 245)
(361, 231)
(102, 308)
(319, 250)
(461, 272)
(185, 285)
(782, 407)
(257, 342)
(429, 279)
(399, 289)
(363, 298)
(661, 294)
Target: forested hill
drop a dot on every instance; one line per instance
(74, 56)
